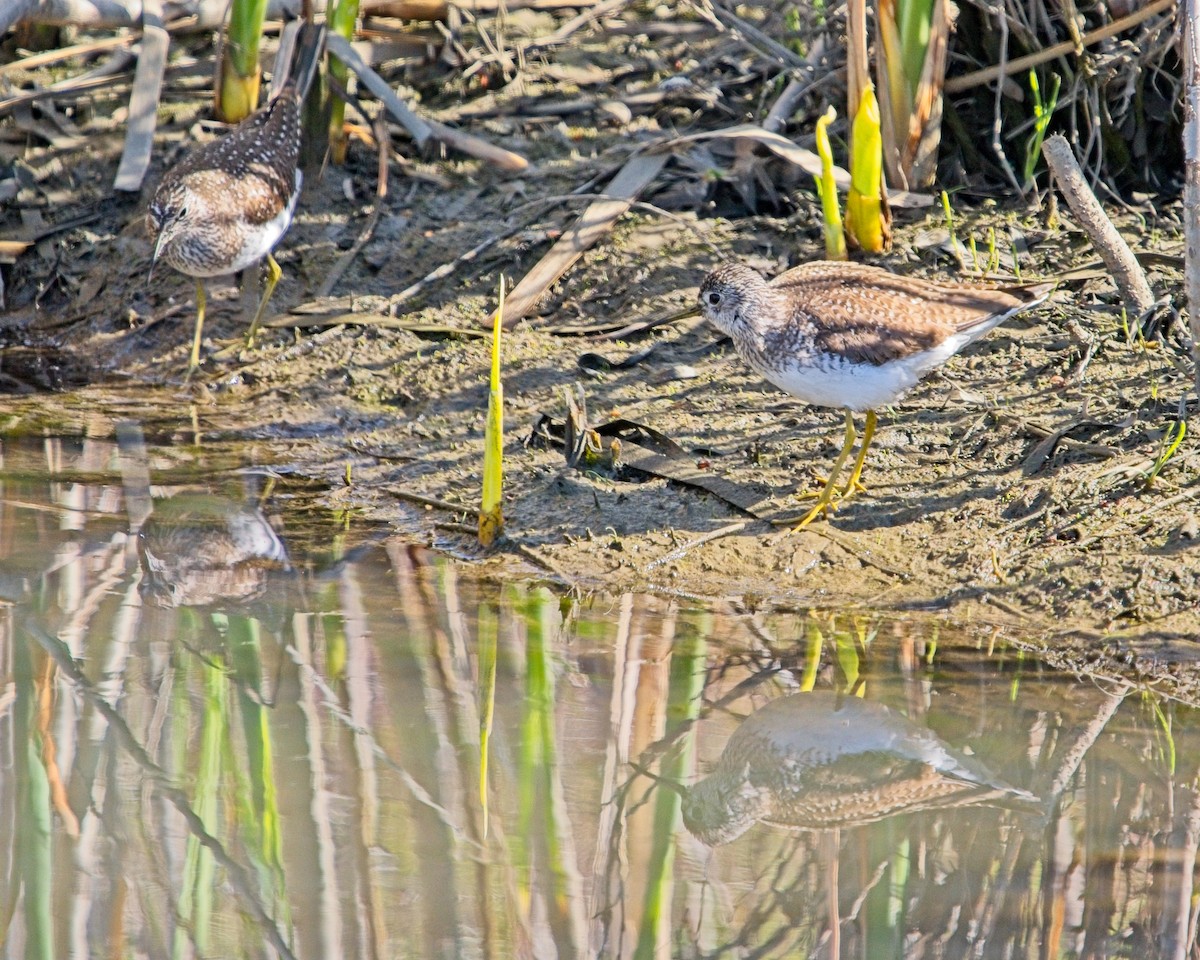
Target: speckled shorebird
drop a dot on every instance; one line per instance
(839, 334)
(227, 204)
(814, 761)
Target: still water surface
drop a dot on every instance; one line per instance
(234, 724)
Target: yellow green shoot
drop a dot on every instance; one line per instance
(864, 205)
(913, 19)
(1170, 444)
(954, 245)
(835, 236)
(491, 518)
(239, 72)
(1043, 110)
(342, 19)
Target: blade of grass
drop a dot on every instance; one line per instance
(1171, 441)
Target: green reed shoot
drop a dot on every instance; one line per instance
(195, 905)
(1170, 444)
(835, 235)
(912, 21)
(848, 657)
(1043, 110)
(954, 244)
(239, 73)
(864, 203)
(491, 518)
(342, 18)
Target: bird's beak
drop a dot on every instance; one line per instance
(163, 237)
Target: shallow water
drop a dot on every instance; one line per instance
(236, 724)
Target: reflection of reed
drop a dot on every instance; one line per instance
(335, 749)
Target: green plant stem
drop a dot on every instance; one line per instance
(342, 18)
(237, 86)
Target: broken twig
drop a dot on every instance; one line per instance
(1125, 269)
(597, 220)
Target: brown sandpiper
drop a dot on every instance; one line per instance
(226, 205)
(842, 334)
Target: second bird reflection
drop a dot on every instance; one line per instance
(203, 550)
(814, 761)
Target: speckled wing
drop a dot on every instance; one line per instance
(869, 315)
(256, 161)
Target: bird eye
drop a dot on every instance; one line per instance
(714, 298)
(183, 212)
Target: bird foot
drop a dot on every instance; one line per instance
(827, 502)
(853, 487)
(804, 521)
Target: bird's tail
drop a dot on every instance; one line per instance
(306, 59)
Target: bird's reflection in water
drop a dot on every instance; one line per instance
(814, 761)
(204, 550)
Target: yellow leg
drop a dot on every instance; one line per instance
(830, 490)
(194, 362)
(273, 275)
(854, 485)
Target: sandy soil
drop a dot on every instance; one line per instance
(1009, 489)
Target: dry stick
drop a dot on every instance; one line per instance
(448, 268)
(751, 36)
(420, 129)
(969, 80)
(143, 102)
(417, 128)
(1126, 271)
(368, 230)
(563, 33)
(684, 548)
(593, 223)
(1191, 168)
(440, 9)
(67, 53)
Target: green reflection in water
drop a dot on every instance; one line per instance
(387, 754)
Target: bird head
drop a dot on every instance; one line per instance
(170, 213)
(725, 293)
(723, 805)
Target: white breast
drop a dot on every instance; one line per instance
(860, 386)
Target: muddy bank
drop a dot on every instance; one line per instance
(1011, 488)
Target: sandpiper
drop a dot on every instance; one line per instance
(840, 334)
(227, 204)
